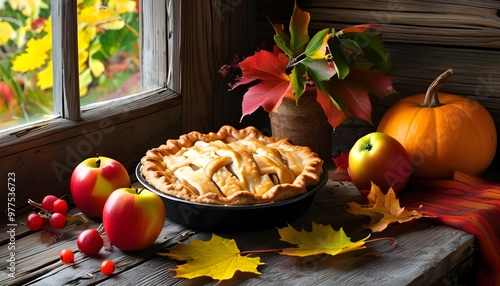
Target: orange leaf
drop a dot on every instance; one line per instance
(383, 209)
(335, 116)
(299, 36)
(359, 28)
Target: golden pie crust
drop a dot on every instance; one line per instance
(231, 167)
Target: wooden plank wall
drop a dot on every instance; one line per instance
(424, 38)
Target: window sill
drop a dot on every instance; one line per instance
(44, 158)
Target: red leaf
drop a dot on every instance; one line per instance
(356, 98)
(342, 164)
(275, 83)
(375, 81)
(360, 28)
(267, 94)
(354, 89)
(334, 115)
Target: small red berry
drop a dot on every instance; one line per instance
(57, 221)
(107, 267)
(67, 256)
(60, 206)
(48, 202)
(89, 242)
(34, 221)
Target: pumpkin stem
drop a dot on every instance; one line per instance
(431, 96)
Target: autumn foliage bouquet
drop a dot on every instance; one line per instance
(345, 66)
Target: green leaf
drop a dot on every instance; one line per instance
(299, 35)
(319, 70)
(298, 80)
(351, 45)
(373, 49)
(283, 43)
(328, 87)
(342, 60)
(316, 49)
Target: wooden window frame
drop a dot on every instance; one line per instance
(42, 155)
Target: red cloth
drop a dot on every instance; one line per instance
(466, 203)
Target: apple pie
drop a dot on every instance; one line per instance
(231, 167)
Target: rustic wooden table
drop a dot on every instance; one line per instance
(425, 254)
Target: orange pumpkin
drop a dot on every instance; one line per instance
(442, 132)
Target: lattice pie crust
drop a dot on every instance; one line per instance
(233, 167)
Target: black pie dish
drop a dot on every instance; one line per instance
(212, 217)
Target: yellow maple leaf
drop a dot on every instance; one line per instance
(383, 209)
(321, 239)
(218, 258)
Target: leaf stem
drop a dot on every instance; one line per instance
(37, 205)
(392, 239)
(247, 252)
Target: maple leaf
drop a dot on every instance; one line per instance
(322, 239)
(383, 209)
(218, 258)
(275, 83)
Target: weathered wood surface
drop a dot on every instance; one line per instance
(476, 74)
(444, 22)
(424, 254)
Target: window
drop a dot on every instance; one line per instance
(108, 53)
(69, 85)
(43, 154)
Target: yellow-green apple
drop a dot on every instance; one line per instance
(381, 159)
(133, 218)
(93, 180)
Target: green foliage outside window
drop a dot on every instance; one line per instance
(108, 55)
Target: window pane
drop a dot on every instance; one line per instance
(25, 62)
(108, 49)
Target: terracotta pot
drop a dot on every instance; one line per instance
(304, 124)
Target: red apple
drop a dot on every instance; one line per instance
(133, 218)
(381, 159)
(93, 180)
